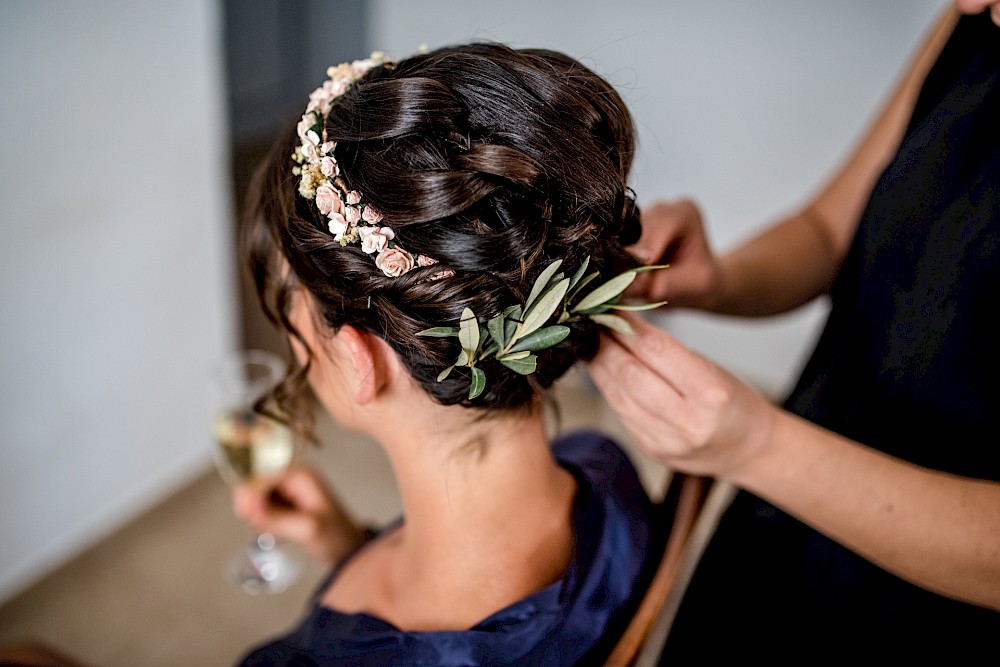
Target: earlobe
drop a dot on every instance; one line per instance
(367, 358)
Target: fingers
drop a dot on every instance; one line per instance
(670, 399)
(303, 488)
(646, 403)
(661, 224)
(296, 502)
(673, 234)
(686, 371)
(248, 502)
(629, 384)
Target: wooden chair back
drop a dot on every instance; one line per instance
(678, 515)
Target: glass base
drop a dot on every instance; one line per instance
(263, 567)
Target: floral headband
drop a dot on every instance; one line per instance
(350, 219)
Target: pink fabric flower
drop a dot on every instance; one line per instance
(375, 239)
(352, 214)
(424, 260)
(446, 273)
(360, 67)
(372, 215)
(328, 166)
(320, 99)
(394, 262)
(328, 200)
(354, 197)
(336, 87)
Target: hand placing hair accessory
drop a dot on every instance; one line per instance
(514, 334)
(350, 219)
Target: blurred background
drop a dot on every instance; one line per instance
(128, 131)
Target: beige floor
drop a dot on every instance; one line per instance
(153, 594)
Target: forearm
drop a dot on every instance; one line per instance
(796, 259)
(781, 268)
(939, 531)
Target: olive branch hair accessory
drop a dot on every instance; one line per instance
(350, 218)
(513, 335)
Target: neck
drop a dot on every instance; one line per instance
(471, 488)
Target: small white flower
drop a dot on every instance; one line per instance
(309, 151)
(360, 67)
(338, 226)
(306, 124)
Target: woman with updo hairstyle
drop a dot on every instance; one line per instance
(442, 238)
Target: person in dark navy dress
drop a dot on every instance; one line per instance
(433, 235)
(868, 518)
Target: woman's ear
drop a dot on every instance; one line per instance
(368, 354)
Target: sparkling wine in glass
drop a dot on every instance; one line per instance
(253, 448)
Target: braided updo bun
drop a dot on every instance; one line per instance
(491, 160)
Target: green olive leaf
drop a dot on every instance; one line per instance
(580, 285)
(637, 306)
(439, 332)
(541, 283)
(605, 292)
(445, 373)
(615, 323)
(478, 383)
(496, 329)
(525, 366)
(543, 309)
(648, 267)
(512, 315)
(468, 332)
(514, 356)
(541, 339)
(579, 273)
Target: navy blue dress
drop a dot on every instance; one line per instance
(561, 624)
(908, 363)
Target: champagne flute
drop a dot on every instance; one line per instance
(253, 449)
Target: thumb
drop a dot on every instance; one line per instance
(302, 488)
(249, 503)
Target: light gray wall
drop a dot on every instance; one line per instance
(746, 105)
(114, 265)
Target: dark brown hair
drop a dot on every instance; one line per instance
(495, 162)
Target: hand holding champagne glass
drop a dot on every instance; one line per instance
(254, 449)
